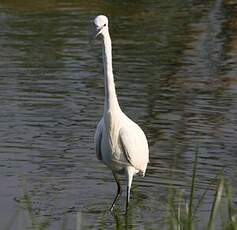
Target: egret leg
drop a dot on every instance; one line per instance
(130, 173)
(119, 191)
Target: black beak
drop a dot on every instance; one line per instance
(95, 33)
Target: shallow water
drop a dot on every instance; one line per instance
(175, 65)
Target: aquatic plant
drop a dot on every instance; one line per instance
(182, 214)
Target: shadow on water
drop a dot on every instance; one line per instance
(175, 71)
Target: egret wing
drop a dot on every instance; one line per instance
(98, 139)
(134, 144)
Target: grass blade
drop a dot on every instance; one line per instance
(203, 196)
(216, 203)
(190, 207)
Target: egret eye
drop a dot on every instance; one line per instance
(104, 24)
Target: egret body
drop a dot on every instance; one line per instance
(120, 143)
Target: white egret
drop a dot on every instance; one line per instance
(120, 143)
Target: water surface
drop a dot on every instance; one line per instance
(175, 68)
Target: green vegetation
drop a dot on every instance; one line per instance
(182, 215)
(25, 203)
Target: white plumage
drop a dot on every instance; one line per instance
(120, 143)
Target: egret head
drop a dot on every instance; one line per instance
(100, 26)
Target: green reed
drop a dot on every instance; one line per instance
(182, 212)
(183, 215)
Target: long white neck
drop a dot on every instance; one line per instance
(111, 101)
